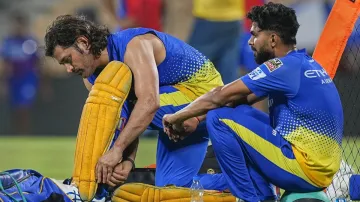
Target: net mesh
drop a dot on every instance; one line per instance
(347, 80)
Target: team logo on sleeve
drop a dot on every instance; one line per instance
(257, 74)
(273, 64)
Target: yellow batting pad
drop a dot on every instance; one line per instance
(138, 192)
(99, 119)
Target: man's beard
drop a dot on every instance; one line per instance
(263, 56)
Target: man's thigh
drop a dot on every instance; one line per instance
(177, 162)
(265, 150)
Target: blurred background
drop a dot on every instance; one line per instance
(40, 104)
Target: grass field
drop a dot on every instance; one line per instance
(53, 156)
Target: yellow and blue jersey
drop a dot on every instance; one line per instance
(305, 108)
(184, 67)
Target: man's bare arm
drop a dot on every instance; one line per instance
(140, 58)
(231, 94)
(245, 100)
(131, 150)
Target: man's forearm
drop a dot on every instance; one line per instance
(245, 100)
(201, 118)
(139, 120)
(212, 100)
(198, 108)
(131, 150)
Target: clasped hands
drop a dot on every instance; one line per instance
(178, 130)
(110, 168)
(110, 171)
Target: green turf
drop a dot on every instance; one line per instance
(53, 156)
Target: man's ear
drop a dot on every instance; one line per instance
(274, 39)
(83, 43)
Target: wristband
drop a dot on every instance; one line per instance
(131, 161)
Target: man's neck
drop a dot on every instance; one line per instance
(285, 50)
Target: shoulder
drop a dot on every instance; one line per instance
(273, 64)
(283, 62)
(142, 41)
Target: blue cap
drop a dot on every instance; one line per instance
(196, 178)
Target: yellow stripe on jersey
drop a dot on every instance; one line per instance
(201, 82)
(177, 98)
(318, 154)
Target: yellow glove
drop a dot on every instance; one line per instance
(99, 119)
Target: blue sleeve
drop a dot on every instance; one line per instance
(92, 79)
(274, 76)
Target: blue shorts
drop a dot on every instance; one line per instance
(176, 163)
(253, 156)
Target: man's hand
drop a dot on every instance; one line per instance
(106, 164)
(120, 173)
(179, 130)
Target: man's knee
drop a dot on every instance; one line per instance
(214, 123)
(215, 115)
(215, 119)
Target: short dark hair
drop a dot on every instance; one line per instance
(278, 18)
(67, 28)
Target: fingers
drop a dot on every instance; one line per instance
(106, 173)
(115, 182)
(117, 178)
(109, 174)
(111, 183)
(98, 173)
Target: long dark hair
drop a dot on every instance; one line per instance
(67, 28)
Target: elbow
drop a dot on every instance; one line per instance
(152, 103)
(154, 106)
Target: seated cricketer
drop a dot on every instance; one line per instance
(297, 147)
(135, 77)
